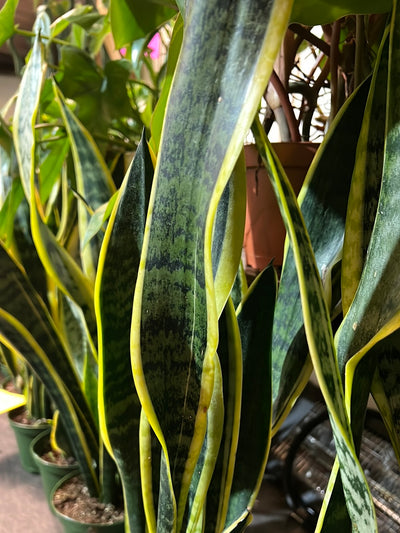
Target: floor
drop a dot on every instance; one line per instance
(22, 502)
(22, 493)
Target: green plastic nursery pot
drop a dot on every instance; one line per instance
(24, 435)
(71, 525)
(50, 472)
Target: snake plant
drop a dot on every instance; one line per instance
(183, 377)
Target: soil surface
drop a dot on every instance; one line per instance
(58, 458)
(23, 417)
(73, 500)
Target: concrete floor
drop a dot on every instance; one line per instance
(23, 507)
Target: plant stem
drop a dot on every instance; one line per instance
(286, 106)
(360, 43)
(311, 38)
(334, 65)
(27, 33)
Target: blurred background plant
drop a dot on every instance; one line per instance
(317, 69)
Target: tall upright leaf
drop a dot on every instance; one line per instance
(255, 318)
(366, 180)
(27, 328)
(320, 342)
(58, 263)
(174, 323)
(374, 313)
(323, 202)
(93, 182)
(26, 107)
(120, 410)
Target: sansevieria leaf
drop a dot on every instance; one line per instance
(26, 108)
(374, 313)
(174, 325)
(120, 410)
(323, 201)
(27, 328)
(377, 299)
(320, 342)
(366, 180)
(228, 233)
(93, 182)
(363, 200)
(255, 318)
(59, 265)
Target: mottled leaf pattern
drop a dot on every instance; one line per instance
(93, 182)
(119, 405)
(174, 326)
(323, 202)
(320, 341)
(255, 319)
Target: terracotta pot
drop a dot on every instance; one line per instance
(264, 230)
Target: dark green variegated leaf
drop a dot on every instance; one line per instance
(115, 283)
(239, 527)
(315, 12)
(174, 325)
(27, 328)
(374, 312)
(255, 318)
(320, 342)
(16, 337)
(166, 511)
(51, 163)
(93, 181)
(323, 201)
(230, 357)
(7, 14)
(240, 286)
(228, 234)
(364, 194)
(25, 250)
(378, 296)
(20, 300)
(386, 386)
(73, 326)
(203, 473)
(11, 361)
(366, 180)
(63, 270)
(57, 262)
(26, 109)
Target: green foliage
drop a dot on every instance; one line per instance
(134, 19)
(7, 14)
(140, 324)
(312, 13)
